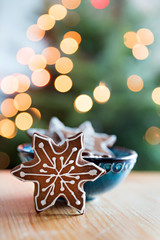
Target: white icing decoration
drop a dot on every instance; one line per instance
(41, 145)
(22, 174)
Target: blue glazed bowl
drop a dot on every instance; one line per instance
(117, 168)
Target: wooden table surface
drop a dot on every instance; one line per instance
(130, 211)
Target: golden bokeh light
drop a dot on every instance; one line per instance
(24, 121)
(46, 22)
(9, 85)
(72, 19)
(40, 78)
(131, 39)
(69, 45)
(24, 55)
(51, 55)
(146, 36)
(156, 95)
(35, 113)
(101, 93)
(140, 52)
(4, 160)
(7, 128)
(37, 62)
(22, 101)
(34, 33)
(71, 4)
(8, 108)
(64, 65)
(152, 135)
(75, 35)
(23, 82)
(135, 83)
(63, 83)
(58, 12)
(83, 103)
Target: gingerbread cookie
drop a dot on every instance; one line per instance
(58, 171)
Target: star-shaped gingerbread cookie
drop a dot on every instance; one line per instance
(58, 171)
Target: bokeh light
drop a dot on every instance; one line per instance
(156, 95)
(64, 65)
(71, 4)
(101, 93)
(75, 35)
(100, 4)
(58, 12)
(135, 83)
(37, 62)
(63, 83)
(9, 85)
(51, 55)
(152, 135)
(8, 108)
(34, 33)
(83, 103)
(131, 39)
(4, 160)
(146, 36)
(7, 128)
(23, 82)
(69, 45)
(40, 78)
(140, 52)
(24, 121)
(46, 22)
(22, 101)
(24, 55)
(35, 113)
(72, 19)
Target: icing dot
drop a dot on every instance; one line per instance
(41, 145)
(78, 202)
(93, 172)
(77, 177)
(43, 171)
(62, 189)
(43, 202)
(62, 158)
(72, 182)
(71, 161)
(48, 180)
(72, 167)
(54, 159)
(52, 193)
(45, 165)
(43, 189)
(22, 174)
(74, 149)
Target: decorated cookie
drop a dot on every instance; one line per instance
(58, 171)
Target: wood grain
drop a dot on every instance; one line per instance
(130, 211)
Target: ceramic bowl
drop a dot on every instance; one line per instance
(117, 168)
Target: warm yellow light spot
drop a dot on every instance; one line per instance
(135, 83)
(75, 35)
(71, 4)
(140, 52)
(23, 82)
(63, 83)
(156, 95)
(46, 22)
(35, 112)
(152, 135)
(146, 36)
(72, 19)
(40, 78)
(69, 45)
(101, 93)
(34, 33)
(24, 121)
(64, 65)
(7, 108)
(4, 160)
(24, 55)
(9, 85)
(22, 101)
(83, 103)
(7, 128)
(37, 62)
(131, 39)
(58, 12)
(51, 55)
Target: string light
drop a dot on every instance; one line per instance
(40, 78)
(135, 83)
(34, 33)
(152, 135)
(4, 160)
(24, 55)
(51, 55)
(64, 65)
(8, 108)
(131, 39)
(100, 4)
(146, 36)
(9, 85)
(101, 93)
(156, 95)
(83, 103)
(7, 128)
(46, 22)
(63, 83)
(35, 113)
(23, 82)
(140, 52)
(69, 45)
(22, 101)
(71, 4)
(75, 35)
(58, 12)
(37, 62)
(24, 121)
